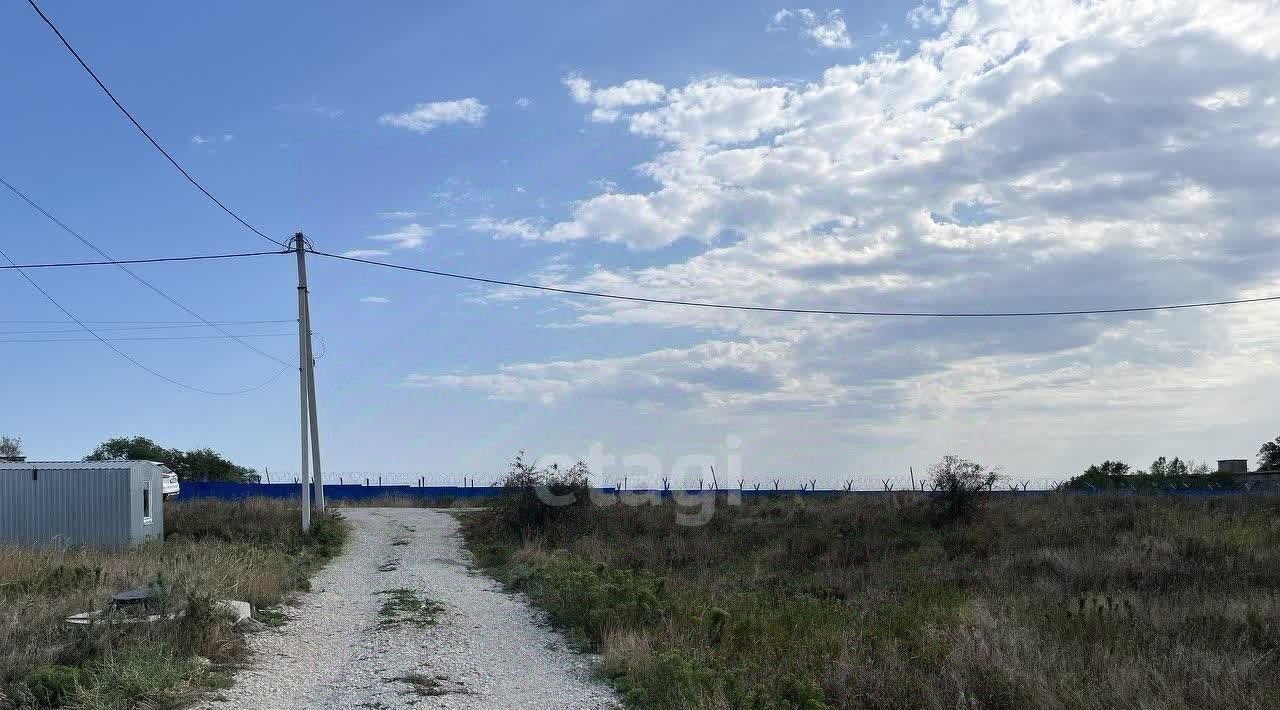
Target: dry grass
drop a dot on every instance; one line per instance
(251, 550)
(1061, 602)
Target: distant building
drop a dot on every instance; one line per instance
(1234, 467)
(1253, 480)
(95, 503)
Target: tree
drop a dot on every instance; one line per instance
(10, 447)
(208, 465)
(1103, 475)
(1269, 456)
(961, 483)
(1107, 468)
(1159, 467)
(1177, 467)
(138, 448)
(198, 465)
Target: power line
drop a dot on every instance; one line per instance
(139, 338)
(83, 240)
(148, 324)
(802, 311)
(131, 327)
(153, 260)
(130, 358)
(137, 125)
(323, 348)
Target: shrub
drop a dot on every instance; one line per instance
(589, 599)
(54, 686)
(961, 484)
(534, 498)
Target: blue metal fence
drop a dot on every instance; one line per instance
(333, 492)
(357, 493)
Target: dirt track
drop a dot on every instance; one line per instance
(345, 649)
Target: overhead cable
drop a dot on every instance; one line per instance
(144, 132)
(152, 260)
(130, 358)
(116, 338)
(163, 326)
(83, 240)
(799, 311)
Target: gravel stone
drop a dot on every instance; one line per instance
(487, 649)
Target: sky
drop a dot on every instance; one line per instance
(947, 156)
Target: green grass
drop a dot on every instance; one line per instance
(406, 606)
(1060, 602)
(251, 550)
(273, 617)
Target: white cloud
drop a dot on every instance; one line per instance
(399, 214)
(199, 140)
(1031, 154)
(524, 102)
(829, 33)
(604, 185)
(930, 14)
(407, 236)
(1225, 98)
(518, 228)
(428, 116)
(375, 299)
(608, 101)
(365, 253)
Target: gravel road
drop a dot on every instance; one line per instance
(486, 648)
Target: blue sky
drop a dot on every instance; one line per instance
(945, 156)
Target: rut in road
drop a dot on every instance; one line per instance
(362, 639)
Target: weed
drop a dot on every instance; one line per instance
(1063, 601)
(251, 550)
(406, 606)
(274, 617)
(54, 686)
(423, 684)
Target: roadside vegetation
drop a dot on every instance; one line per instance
(906, 600)
(1163, 474)
(195, 465)
(250, 550)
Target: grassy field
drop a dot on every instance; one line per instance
(857, 602)
(252, 551)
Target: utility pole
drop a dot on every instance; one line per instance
(316, 470)
(303, 359)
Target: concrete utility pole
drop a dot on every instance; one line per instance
(306, 393)
(316, 471)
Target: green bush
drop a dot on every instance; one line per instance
(960, 486)
(54, 686)
(535, 499)
(590, 598)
